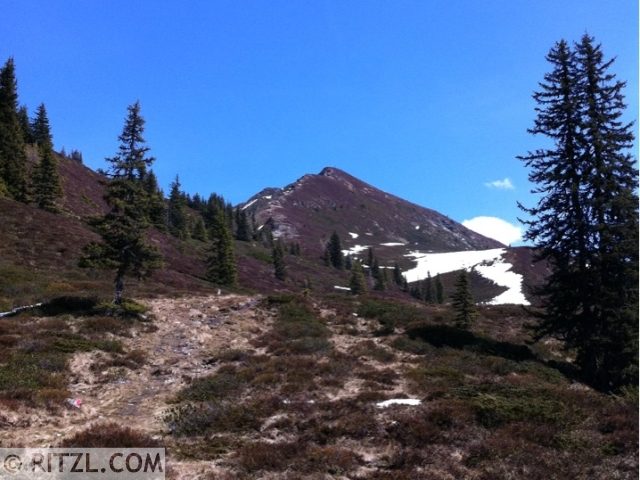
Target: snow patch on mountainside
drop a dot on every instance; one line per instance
(355, 250)
(488, 263)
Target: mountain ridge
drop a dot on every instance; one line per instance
(359, 206)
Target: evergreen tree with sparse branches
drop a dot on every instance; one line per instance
(177, 221)
(357, 282)
(462, 302)
(13, 159)
(221, 264)
(199, 230)
(123, 247)
(47, 190)
(156, 206)
(427, 289)
(334, 250)
(585, 224)
(25, 125)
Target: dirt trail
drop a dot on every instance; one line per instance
(189, 330)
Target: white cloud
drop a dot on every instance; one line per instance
(496, 228)
(504, 184)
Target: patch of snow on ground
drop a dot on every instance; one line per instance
(338, 287)
(392, 244)
(436, 263)
(417, 227)
(247, 205)
(498, 271)
(355, 249)
(369, 233)
(399, 401)
(268, 197)
(353, 235)
(500, 274)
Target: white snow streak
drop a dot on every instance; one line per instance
(488, 263)
(355, 249)
(392, 244)
(399, 401)
(353, 235)
(345, 289)
(247, 205)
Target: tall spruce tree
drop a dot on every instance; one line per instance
(243, 232)
(427, 289)
(586, 223)
(462, 302)
(199, 231)
(25, 125)
(221, 264)
(156, 206)
(123, 247)
(334, 249)
(381, 279)
(177, 221)
(13, 159)
(46, 179)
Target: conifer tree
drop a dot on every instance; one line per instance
(123, 247)
(176, 211)
(199, 230)
(13, 159)
(439, 290)
(156, 207)
(40, 128)
(277, 256)
(462, 302)
(46, 179)
(398, 279)
(348, 262)
(357, 282)
(370, 258)
(375, 268)
(586, 223)
(243, 232)
(380, 279)
(221, 264)
(25, 125)
(416, 292)
(336, 257)
(427, 289)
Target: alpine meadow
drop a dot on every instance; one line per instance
(218, 268)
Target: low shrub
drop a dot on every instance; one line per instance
(256, 456)
(496, 405)
(212, 387)
(110, 435)
(445, 335)
(390, 315)
(69, 304)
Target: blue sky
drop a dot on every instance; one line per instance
(429, 100)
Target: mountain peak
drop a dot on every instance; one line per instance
(309, 209)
